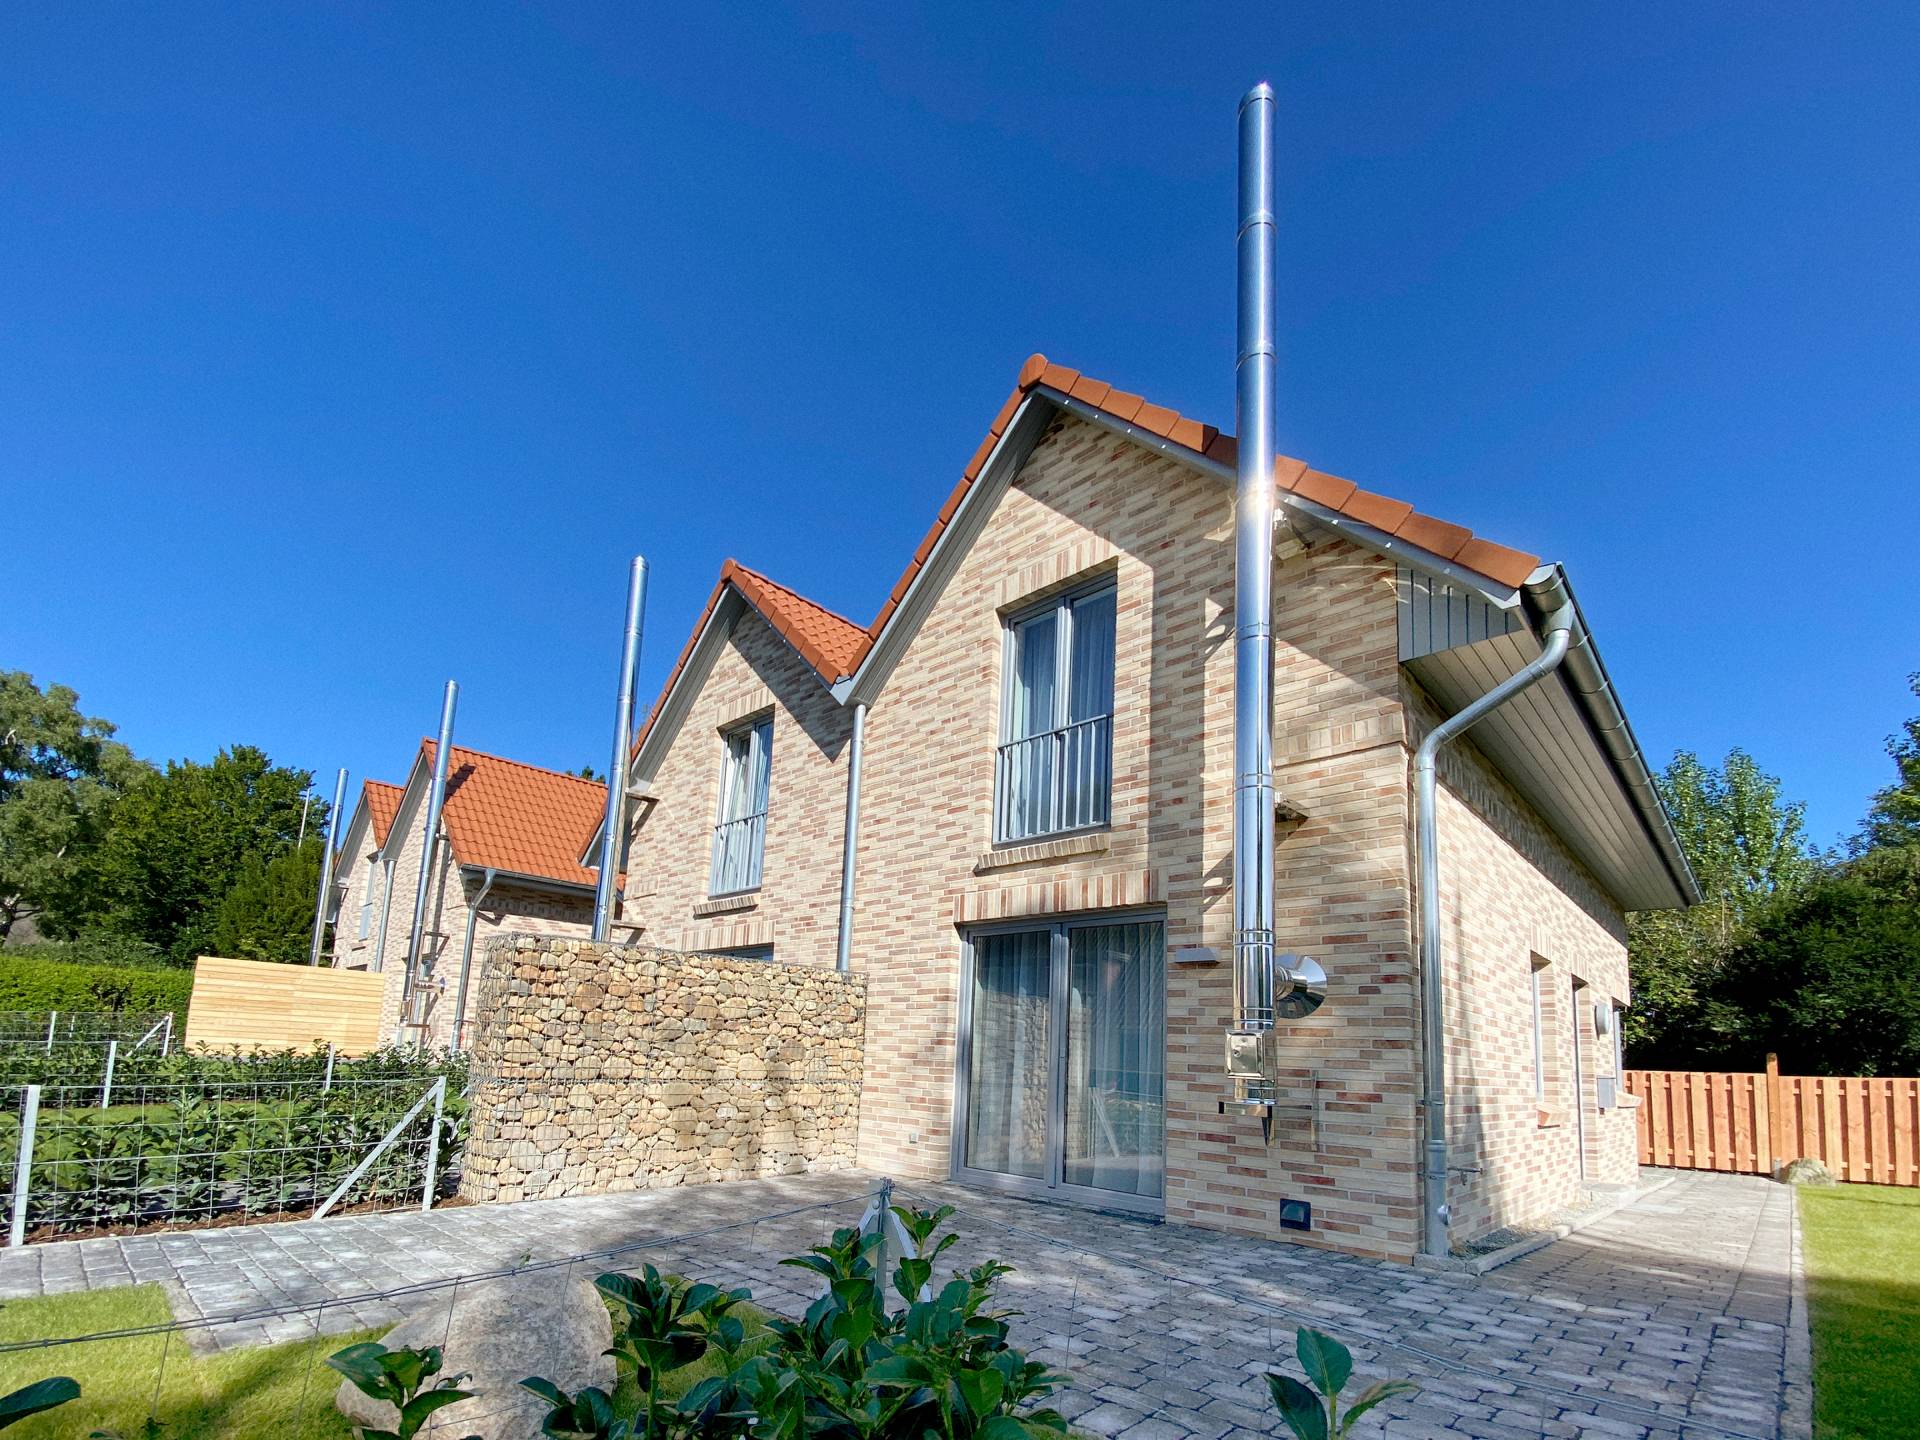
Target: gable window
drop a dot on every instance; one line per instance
(1537, 982)
(740, 835)
(366, 898)
(1054, 772)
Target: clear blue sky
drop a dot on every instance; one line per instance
(345, 349)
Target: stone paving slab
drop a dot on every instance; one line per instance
(1668, 1320)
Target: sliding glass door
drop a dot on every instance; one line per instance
(1062, 1064)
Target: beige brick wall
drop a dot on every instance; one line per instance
(1088, 503)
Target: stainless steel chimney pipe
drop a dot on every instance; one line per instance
(429, 837)
(1254, 383)
(326, 869)
(614, 825)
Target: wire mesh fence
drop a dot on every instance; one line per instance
(48, 1029)
(220, 1151)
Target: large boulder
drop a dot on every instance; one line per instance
(499, 1332)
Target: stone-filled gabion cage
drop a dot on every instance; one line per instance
(602, 1067)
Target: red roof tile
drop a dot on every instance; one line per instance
(383, 803)
(505, 815)
(835, 646)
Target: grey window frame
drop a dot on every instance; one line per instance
(725, 826)
(1060, 606)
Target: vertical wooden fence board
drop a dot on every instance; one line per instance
(253, 1004)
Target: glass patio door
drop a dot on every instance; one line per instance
(1062, 1064)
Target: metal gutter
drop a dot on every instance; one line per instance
(850, 838)
(1556, 632)
(466, 959)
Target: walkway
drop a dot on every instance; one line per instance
(1665, 1321)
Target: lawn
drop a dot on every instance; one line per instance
(280, 1390)
(1863, 1309)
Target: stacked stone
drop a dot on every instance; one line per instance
(603, 1068)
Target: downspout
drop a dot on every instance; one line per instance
(850, 838)
(1556, 633)
(429, 840)
(466, 958)
(326, 870)
(613, 827)
(386, 909)
(1253, 838)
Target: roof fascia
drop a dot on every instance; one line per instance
(1003, 462)
(358, 827)
(1504, 597)
(531, 882)
(687, 684)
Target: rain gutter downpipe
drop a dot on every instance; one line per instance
(466, 959)
(1556, 634)
(386, 911)
(429, 840)
(1254, 386)
(326, 870)
(613, 828)
(850, 838)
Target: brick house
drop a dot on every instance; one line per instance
(508, 861)
(1039, 894)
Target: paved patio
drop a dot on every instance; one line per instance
(1668, 1319)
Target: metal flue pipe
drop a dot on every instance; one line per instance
(466, 959)
(326, 869)
(429, 837)
(613, 829)
(1255, 420)
(1556, 633)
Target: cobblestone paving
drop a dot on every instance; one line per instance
(1665, 1321)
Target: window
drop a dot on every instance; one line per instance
(1055, 766)
(748, 952)
(366, 898)
(1619, 1041)
(740, 835)
(1536, 981)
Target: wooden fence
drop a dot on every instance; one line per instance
(1862, 1128)
(244, 1004)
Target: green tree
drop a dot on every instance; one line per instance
(1747, 846)
(60, 774)
(1828, 976)
(268, 914)
(1894, 819)
(181, 839)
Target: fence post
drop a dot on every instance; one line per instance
(1776, 1118)
(106, 1085)
(23, 1166)
(53, 1019)
(326, 1083)
(433, 1144)
(166, 1037)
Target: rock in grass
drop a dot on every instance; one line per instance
(499, 1332)
(1806, 1171)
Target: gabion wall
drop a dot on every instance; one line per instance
(609, 1067)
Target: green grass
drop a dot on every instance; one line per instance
(1863, 1309)
(279, 1390)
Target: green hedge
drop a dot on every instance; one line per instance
(35, 985)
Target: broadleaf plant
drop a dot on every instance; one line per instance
(400, 1378)
(1328, 1365)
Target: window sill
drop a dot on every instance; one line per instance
(1551, 1119)
(1097, 843)
(727, 904)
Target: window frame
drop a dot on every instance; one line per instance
(1059, 606)
(1539, 973)
(756, 864)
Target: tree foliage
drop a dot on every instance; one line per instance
(268, 914)
(1894, 819)
(1747, 845)
(183, 838)
(60, 774)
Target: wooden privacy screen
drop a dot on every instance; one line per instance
(248, 1004)
(1861, 1128)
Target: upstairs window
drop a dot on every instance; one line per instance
(740, 835)
(1054, 772)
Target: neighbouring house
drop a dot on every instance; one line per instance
(508, 860)
(1040, 899)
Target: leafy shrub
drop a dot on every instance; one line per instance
(1329, 1365)
(32, 981)
(847, 1370)
(400, 1378)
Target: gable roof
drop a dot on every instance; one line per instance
(383, 803)
(505, 815)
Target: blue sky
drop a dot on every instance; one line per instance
(346, 349)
